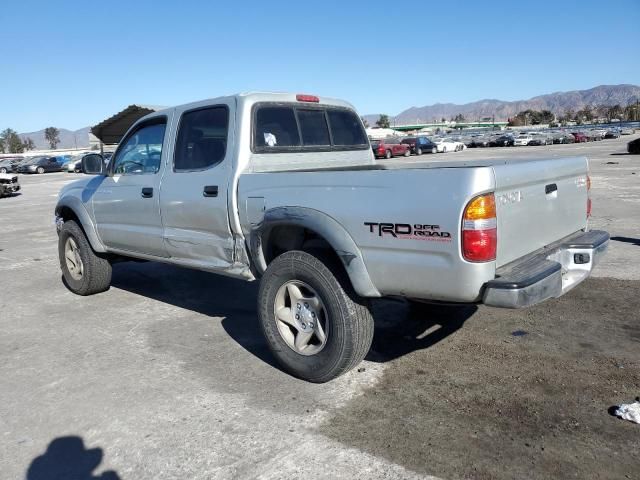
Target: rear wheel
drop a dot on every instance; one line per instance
(407, 152)
(3, 170)
(314, 323)
(84, 271)
(434, 150)
(418, 151)
(387, 154)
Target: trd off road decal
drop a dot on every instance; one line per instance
(416, 231)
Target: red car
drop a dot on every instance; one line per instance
(390, 147)
(580, 137)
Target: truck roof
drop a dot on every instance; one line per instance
(249, 98)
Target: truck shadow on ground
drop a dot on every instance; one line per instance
(400, 329)
(67, 458)
(631, 240)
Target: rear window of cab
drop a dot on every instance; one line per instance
(279, 128)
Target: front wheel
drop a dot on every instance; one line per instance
(434, 150)
(40, 170)
(314, 323)
(407, 152)
(3, 170)
(84, 271)
(418, 151)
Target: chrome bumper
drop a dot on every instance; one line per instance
(547, 273)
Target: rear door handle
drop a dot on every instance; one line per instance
(210, 191)
(147, 192)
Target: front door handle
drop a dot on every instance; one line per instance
(147, 192)
(210, 191)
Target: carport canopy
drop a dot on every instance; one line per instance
(111, 130)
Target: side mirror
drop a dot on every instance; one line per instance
(94, 165)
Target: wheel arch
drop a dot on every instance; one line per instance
(72, 209)
(293, 228)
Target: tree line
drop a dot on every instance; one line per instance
(10, 141)
(586, 114)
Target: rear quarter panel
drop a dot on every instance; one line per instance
(411, 264)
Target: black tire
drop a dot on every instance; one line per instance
(350, 324)
(407, 152)
(40, 170)
(96, 275)
(418, 151)
(3, 170)
(434, 150)
(387, 154)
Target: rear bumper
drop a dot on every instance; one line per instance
(547, 273)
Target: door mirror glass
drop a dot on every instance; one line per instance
(93, 165)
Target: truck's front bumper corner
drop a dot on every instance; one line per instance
(548, 273)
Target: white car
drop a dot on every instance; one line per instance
(522, 140)
(8, 184)
(445, 145)
(71, 166)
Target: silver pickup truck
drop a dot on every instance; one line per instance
(285, 188)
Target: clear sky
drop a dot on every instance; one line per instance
(72, 63)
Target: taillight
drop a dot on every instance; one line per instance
(479, 229)
(588, 196)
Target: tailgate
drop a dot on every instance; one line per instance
(538, 203)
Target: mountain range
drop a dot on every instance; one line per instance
(557, 102)
(68, 138)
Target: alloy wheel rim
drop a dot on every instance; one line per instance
(301, 318)
(73, 259)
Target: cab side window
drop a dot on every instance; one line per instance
(202, 139)
(142, 150)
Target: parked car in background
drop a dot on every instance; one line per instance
(40, 165)
(64, 161)
(9, 164)
(580, 137)
(506, 140)
(634, 146)
(468, 140)
(522, 140)
(562, 138)
(390, 147)
(8, 184)
(539, 138)
(445, 145)
(71, 166)
(626, 131)
(420, 145)
(481, 141)
(613, 133)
